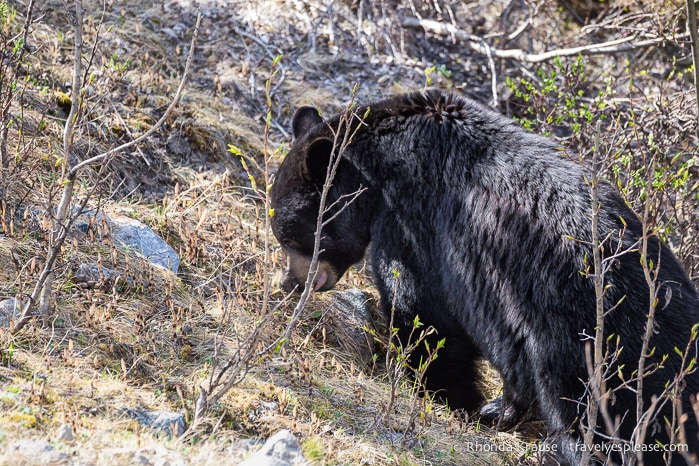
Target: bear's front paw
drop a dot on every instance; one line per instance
(502, 415)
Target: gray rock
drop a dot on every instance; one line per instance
(349, 321)
(281, 449)
(10, 309)
(169, 423)
(123, 456)
(91, 272)
(268, 406)
(354, 301)
(9, 397)
(35, 451)
(65, 434)
(87, 219)
(131, 233)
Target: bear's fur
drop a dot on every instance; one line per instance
(488, 227)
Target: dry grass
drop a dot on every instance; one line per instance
(148, 338)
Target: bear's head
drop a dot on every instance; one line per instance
(296, 199)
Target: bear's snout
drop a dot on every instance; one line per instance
(296, 273)
(289, 282)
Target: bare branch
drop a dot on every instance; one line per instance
(692, 26)
(596, 364)
(477, 43)
(159, 123)
(222, 379)
(62, 223)
(76, 87)
(6, 89)
(351, 196)
(348, 126)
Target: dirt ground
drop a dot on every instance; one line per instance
(152, 339)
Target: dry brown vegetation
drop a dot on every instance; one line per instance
(150, 338)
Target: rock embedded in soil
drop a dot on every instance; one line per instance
(172, 424)
(10, 309)
(35, 451)
(127, 232)
(131, 233)
(281, 449)
(350, 322)
(65, 434)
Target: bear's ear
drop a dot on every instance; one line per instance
(304, 120)
(318, 158)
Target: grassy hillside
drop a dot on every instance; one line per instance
(144, 337)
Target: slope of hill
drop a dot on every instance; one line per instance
(120, 333)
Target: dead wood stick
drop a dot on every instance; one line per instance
(479, 45)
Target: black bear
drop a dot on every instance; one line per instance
(483, 229)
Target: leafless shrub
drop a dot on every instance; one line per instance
(62, 218)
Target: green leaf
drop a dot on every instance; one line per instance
(235, 150)
(417, 323)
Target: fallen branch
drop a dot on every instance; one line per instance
(479, 44)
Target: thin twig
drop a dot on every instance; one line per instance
(692, 26)
(8, 93)
(159, 123)
(343, 136)
(76, 98)
(650, 272)
(596, 369)
(234, 371)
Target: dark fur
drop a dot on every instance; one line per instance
(476, 214)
